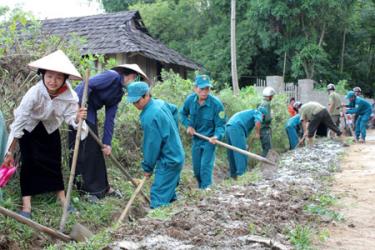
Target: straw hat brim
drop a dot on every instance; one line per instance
(58, 62)
(133, 67)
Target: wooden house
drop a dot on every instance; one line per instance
(123, 36)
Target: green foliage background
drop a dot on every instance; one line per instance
(175, 89)
(325, 40)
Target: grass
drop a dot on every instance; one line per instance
(252, 176)
(98, 241)
(163, 213)
(323, 235)
(47, 211)
(301, 237)
(99, 217)
(320, 206)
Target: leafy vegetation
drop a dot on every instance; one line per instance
(321, 206)
(324, 40)
(301, 237)
(255, 57)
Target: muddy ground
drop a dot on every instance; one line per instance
(231, 216)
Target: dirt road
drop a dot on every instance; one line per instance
(355, 186)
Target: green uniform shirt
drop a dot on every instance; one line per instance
(335, 100)
(267, 118)
(308, 110)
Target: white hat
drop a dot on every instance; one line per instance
(331, 86)
(59, 62)
(133, 67)
(269, 91)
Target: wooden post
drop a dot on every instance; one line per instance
(236, 89)
(75, 156)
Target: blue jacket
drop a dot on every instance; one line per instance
(208, 119)
(105, 89)
(362, 107)
(246, 120)
(161, 140)
(293, 121)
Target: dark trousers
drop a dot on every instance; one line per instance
(265, 139)
(91, 173)
(322, 117)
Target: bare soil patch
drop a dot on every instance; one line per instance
(355, 186)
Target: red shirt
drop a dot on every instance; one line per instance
(291, 110)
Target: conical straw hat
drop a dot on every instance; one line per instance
(133, 67)
(59, 62)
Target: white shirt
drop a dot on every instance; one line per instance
(36, 105)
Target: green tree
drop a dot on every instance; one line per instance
(120, 5)
(324, 40)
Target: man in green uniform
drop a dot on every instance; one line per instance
(162, 148)
(237, 130)
(312, 115)
(265, 130)
(203, 113)
(334, 104)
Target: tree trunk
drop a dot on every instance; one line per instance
(342, 51)
(284, 65)
(233, 48)
(322, 35)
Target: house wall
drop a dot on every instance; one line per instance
(177, 69)
(149, 66)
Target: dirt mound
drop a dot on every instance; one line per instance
(228, 216)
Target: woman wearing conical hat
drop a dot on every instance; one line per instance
(105, 90)
(36, 128)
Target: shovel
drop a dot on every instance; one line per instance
(118, 164)
(238, 150)
(82, 231)
(131, 200)
(51, 232)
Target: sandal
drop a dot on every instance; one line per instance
(92, 198)
(72, 209)
(115, 193)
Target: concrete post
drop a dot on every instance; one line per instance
(276, 82)
(305, 87)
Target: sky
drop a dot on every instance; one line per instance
(47, 9)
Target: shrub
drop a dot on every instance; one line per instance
(174, 89)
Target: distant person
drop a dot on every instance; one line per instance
(36, 128)
(265, 130)
(312, 115)
(291, 110)
(105, 90)
(203, 113)
(293, 127)
(357, 91)
(362, 110)
(334, 104)
(237, 130)
(163, 154)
